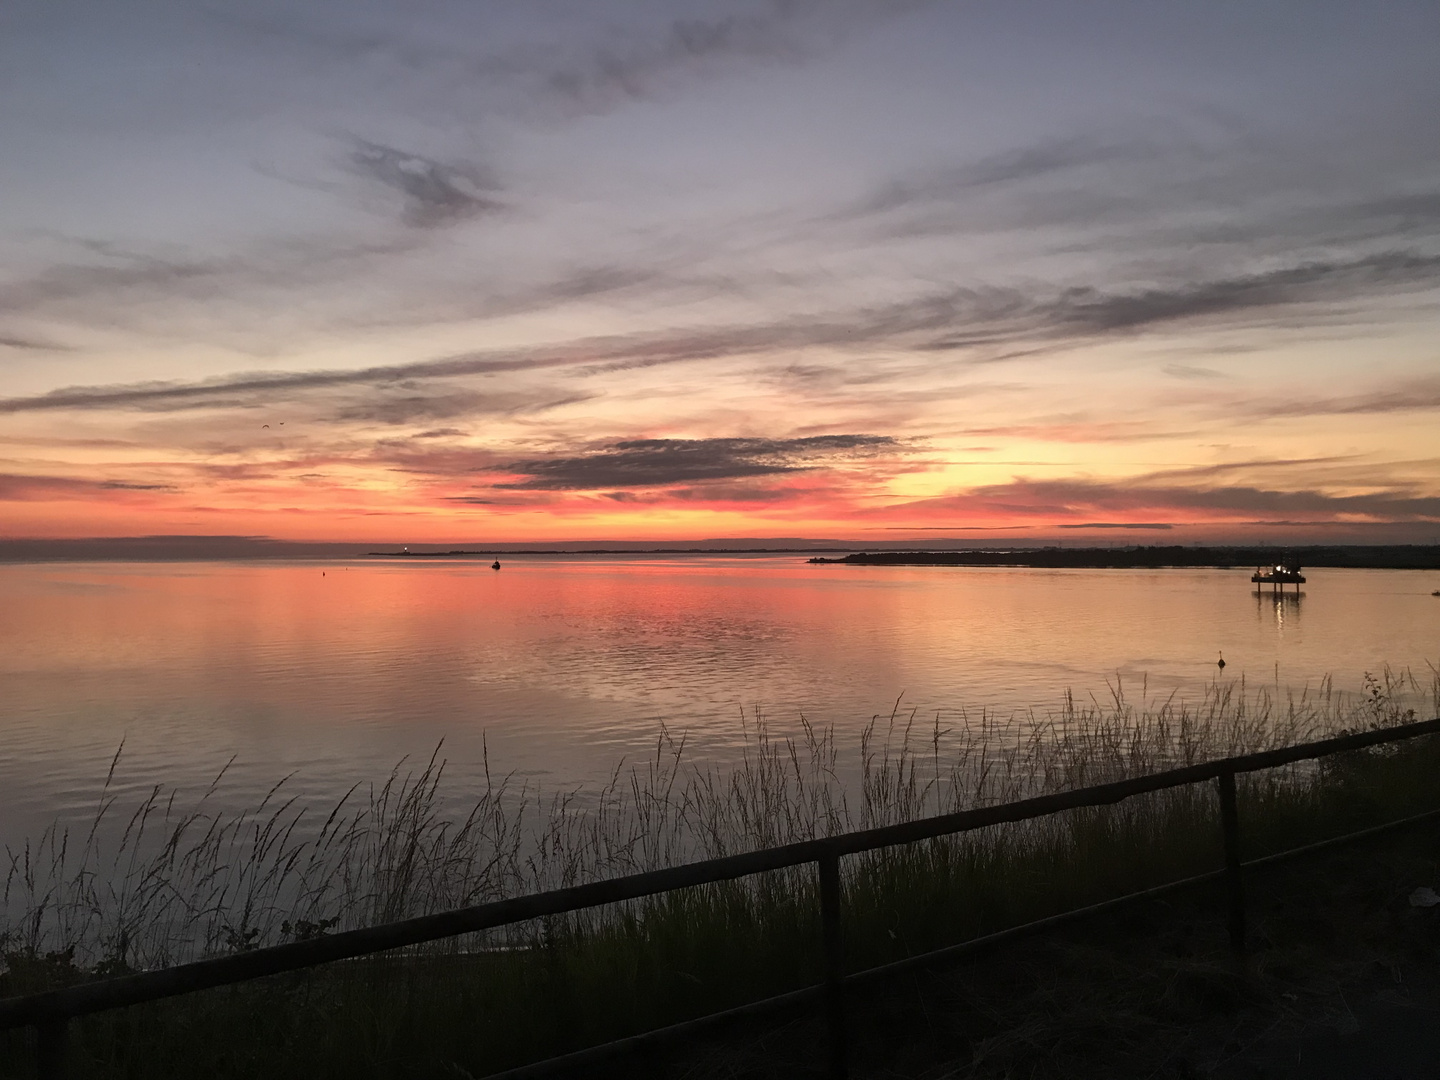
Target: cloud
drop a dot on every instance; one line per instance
(1380, 218)
(126, 273)
(1161, 525)
(605, 354)
(1196, 185)
(733, 493)
(1052, 156)
(1188, 371)
(19, 487)
(434, 193)
(1088, 309)
(1194, 473)
(986, 319)
(15, 341)
(619, 71)
(120, 286)
(1041, 159)
(601, 68)
(251, 390)
(407, 405)
(1080, 429)
(1407, 396)
(215, 297)
(660, 462)
(962, 318)
(1059, 499)
(711, 494)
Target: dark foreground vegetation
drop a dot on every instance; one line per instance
(1341, 981)
(1154, 990)
(1369, 557)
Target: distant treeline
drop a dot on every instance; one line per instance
(606, 551)
(1386, 557)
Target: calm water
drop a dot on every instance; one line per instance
(563, 666)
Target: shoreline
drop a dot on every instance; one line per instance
(1383, 557)
(245, 549)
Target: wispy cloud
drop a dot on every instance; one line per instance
(1191, 372)
(618, 71)
(1043, 159)
(1159, 526)
(1092, 310)
(1059, 501)
(19, 487)
(1086, 429)
(710, 495)
(1407, 395)
(174, 293)
(1384, 218)
(1190, 189)
(256, 389)
(29, 344)
(409, 406)
(115, 285)
(986, 319)
(120, 273)
(966, 320)
(435, 193)
(591, 69)
(1203, 475)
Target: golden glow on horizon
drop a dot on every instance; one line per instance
(1006, 468)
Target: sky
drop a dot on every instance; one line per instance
(455, 271)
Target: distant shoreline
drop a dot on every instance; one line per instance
(606, 551)
(250, 549)
(1380, 557)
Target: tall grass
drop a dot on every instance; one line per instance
(169, 882)
(165, 882)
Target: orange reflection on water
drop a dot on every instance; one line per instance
(561, 666)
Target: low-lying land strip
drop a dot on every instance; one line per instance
(1394, 557)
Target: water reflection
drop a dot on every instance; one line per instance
(557, 669)
(1282, 610)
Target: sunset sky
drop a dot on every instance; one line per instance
(445, 271)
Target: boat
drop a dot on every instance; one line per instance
(1285, 572)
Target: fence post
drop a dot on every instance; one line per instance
(51, 1041)
(829, 865)
(1230, 828)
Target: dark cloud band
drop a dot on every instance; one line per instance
(1062, 499)
(659, 462)
(435, 193)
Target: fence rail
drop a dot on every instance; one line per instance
(50, 1012)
